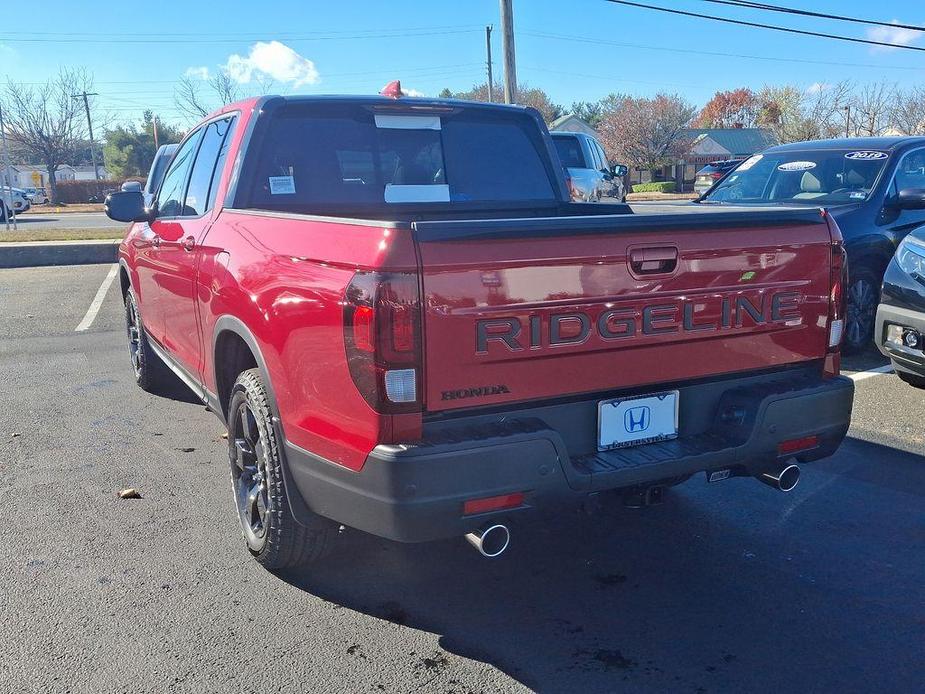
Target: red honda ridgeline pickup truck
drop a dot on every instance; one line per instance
(409, 329)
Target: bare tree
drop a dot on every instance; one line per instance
(47, 123)
(197, 98)
(872, 109)
(909, 111)
(794, 114)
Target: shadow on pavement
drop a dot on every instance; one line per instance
(728, 587)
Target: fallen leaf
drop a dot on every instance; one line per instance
(129, 493)
(15, 434)
(225, 435)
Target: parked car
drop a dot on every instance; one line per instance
(409, 329)
(12, 198)
(867, 184)
(712, 173)
(37, 196)
(590, 175)
(900, 329)
(158, 168)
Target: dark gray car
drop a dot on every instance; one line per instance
(591, 175)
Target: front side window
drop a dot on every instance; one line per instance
(802, 177)
(315, 156)
(173, 188)
(910, 172)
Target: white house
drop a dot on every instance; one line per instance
(86, 173)
(30, 176)
(573, 124)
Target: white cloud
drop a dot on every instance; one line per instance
(817, 87)
(201, 73)
(895, 35)
(275, 60)
(411, 92)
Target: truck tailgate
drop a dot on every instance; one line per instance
(518, 310)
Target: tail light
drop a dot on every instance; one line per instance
(382, 335)
(573, 192)
(837, 305)
(716, 175)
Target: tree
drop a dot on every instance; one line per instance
(526, 96)
(130, 150)
(591, 112)
(646, 133)
(909, 111)
(872, 109)
(46, 122)
(795, 114)
(738, 108)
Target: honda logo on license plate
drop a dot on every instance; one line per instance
(637, 419)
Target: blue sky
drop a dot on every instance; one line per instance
(576, 50)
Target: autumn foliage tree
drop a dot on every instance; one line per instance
(645, 133)
(737, 108)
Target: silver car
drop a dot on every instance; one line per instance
(591, 176)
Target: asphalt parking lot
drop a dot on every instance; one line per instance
(729, 587)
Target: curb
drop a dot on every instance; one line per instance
(42, 253)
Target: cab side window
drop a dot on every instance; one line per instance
(910, 173)
(200, 193)
(173, 188)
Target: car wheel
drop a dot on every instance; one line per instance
(863, 295)
(273, 536)
(151, 374)
(912, 379)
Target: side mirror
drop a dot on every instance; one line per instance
(126, 206)
(619, 170)
(909, 199)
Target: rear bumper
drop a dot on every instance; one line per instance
(904, 359)
(416, 493)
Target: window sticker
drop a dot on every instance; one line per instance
(417, 193)
(750, 162)
(797, 166)
(866, 155)
(857, 195)
(408, 122)
(282, 185)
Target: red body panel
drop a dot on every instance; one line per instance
(466, 282)
(284, 277)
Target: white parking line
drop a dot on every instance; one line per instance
(879, 371)
(97, 300)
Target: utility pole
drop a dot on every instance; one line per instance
(507, 47)
(488, 51)
(847, 119)
(96, 168)
(10, 212)
(154, 122)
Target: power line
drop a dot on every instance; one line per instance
(238, 35)
(773, 27)
(720, 54)
(94, 40)
(808, 13)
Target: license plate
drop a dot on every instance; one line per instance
(623, 422)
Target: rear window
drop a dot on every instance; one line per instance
(569, 149)
(315, 157)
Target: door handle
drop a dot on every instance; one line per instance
(189, 243)
(653, 261)
(156, 241)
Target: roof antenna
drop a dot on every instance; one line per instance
(392, 89)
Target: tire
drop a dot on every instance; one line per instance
(272, 535)
(151, 374)
(912, 379)
(863, 294)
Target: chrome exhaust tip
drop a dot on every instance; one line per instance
(490, 541)
(783, 479)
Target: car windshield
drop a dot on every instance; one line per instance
(808, 177)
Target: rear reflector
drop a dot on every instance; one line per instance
(493, 503)
(835, 331)
(400, 385)
(795, 445)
